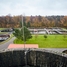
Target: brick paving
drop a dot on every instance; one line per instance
(23, 46)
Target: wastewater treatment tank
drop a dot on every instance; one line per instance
(32, 58)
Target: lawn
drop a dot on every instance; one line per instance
(52, 41)
(2, 28)
(1, 33)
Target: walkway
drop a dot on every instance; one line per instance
(23, 46)
(6, 44)
(56, 49)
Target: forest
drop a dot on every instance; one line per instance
(33, 21)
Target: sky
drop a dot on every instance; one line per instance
(33, 7)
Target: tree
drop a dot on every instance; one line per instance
(27, 33)
(20, 23)
(64, 35)
(19, 34)
(28, 24)
(45, 36)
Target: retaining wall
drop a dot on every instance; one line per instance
(35, 57)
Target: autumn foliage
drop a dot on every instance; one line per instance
(33, 21)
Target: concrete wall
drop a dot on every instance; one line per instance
(12, 58)
(35, 57)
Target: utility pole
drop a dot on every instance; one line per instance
(26, 51)
(23, 32)
(24, 42)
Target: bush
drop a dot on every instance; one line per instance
(45, 36)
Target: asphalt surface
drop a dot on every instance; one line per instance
(6, 44)
(59, 50)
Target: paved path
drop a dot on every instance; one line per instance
(56, 49)
(5, 45)
(23, 46)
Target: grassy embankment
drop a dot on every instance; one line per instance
(4, 33)
(52, 41)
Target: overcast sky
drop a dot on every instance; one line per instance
(33, 7)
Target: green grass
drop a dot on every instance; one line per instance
(1, 33)
(2, 28)
(52, 41)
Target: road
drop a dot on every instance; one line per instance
(6, 44)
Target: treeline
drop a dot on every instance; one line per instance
(33, 21)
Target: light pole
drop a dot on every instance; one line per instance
(25, 52)
(23, 32)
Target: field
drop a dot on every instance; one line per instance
(2, 28)
(52, 41)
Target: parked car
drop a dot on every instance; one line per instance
(4, 37)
